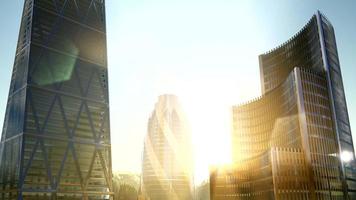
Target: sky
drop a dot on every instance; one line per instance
(204, 51)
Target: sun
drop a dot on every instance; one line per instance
(210, 127)
(207, 100)
(211, 141)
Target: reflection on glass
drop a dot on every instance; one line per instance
(56, 67)
(347, 156)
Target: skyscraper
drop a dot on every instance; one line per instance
(55, 142)
(293, 142)
(167, 157)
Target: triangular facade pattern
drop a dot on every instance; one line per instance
(55, 142)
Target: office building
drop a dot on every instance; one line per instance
(167, 158)
(293, 142)
(55, 142)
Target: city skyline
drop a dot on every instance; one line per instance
(211, 75)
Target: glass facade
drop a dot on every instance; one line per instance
(56, 138)
(289, 143)
(167, 157)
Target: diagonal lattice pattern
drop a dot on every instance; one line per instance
(56, 137)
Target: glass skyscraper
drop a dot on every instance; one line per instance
(293, 142)
(55, 142)
(167, 158)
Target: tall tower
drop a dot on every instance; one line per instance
(55, 142)
(167, 157)
(314, 48)
(294, 141)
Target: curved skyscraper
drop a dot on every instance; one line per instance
(167, 157)
(293, 142)
(55, 142)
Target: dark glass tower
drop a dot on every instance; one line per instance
(55, 142)
(293, 142)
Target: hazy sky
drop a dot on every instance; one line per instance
(206, 52)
